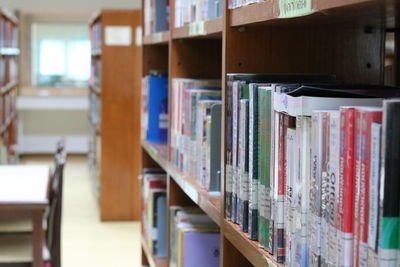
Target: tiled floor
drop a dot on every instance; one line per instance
(87, 242)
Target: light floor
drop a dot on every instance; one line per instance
(87, 242)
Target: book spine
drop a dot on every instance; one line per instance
(315, 188)
(264, 162)
(235, 117)
(390, 186)
(279, 249)
(291, 170)
(324, 189)
(244, 181)
(357, 186)
(301, 188)
(373, 208)
(367, 119)
(332, 177)
(253, 163)
(229, 138)
(346, 187)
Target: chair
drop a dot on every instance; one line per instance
(16, 247)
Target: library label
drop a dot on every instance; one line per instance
(294, 8)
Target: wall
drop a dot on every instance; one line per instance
(69, 4)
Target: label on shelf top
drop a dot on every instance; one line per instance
(118, 35)
(294, 8)
(157, 37)
(196, 28)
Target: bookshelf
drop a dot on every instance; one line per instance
(345, 38)
(114, 156)
(9, 60)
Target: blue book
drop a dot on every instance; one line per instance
(161, 16)
(201, 249)
(157, 105)
(161, 251)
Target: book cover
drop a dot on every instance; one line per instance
(357, 185)
(200, 249)
(390, 185)
(215, 148)
(243, 164)
(374, 185)
(161, 247)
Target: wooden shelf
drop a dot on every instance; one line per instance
(8, 123)
(7, 88)
(152, 260)
(93, 88)
(211, 205)
(269, 12)
(9, 15)
(250, 249)
(9, 51)
(157, 38)
(203, 29)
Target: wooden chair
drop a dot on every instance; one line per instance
(16, 247)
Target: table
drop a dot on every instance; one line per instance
(24, 190)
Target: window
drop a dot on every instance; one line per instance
(60, 54)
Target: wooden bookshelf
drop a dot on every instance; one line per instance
(9, 61)
(118, 128)
(256, 39)
(152, 261)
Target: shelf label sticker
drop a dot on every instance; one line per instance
(153, 153)
(196, 28)
(157, 37)
(138, 38)
(295, 8)
(118, 35)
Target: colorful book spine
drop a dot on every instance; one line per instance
(265, 142)
(390, 185)
(346, 186)
(368, 118)
(374, 183)
(253, 162)
(357, 185)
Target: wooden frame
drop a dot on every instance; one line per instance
(345, 38)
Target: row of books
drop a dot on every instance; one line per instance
(7, 106)
(95, 73)
(8, 34)
(195, 129)
(95, 36)
(94, 157)
(154, 107)
(8, 70)
(194, 238)
(7, 141)
(156, 16)
(154, 210)
(94, 109)
(239, 3)
(189, 11)
(303, 163)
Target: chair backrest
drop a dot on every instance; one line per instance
(55, 212)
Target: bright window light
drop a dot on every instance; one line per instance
(52, 57)
(78, 60)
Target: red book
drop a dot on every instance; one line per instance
(346, 186)
(368, 117)
(357, 182)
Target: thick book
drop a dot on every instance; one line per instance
(244, 164)
(390, 185)
(215, 149)
(161, 248)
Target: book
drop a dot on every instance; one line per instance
(368, 117)
(161, 224)
(390, 185)
(374, 186)
(244, 165)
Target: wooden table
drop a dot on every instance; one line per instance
(24, 190)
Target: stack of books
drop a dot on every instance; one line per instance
(302, 173)
(187, 12)
(156, 16)
(154, 120)
(194, 238)
(154, 210)
(196, 128)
